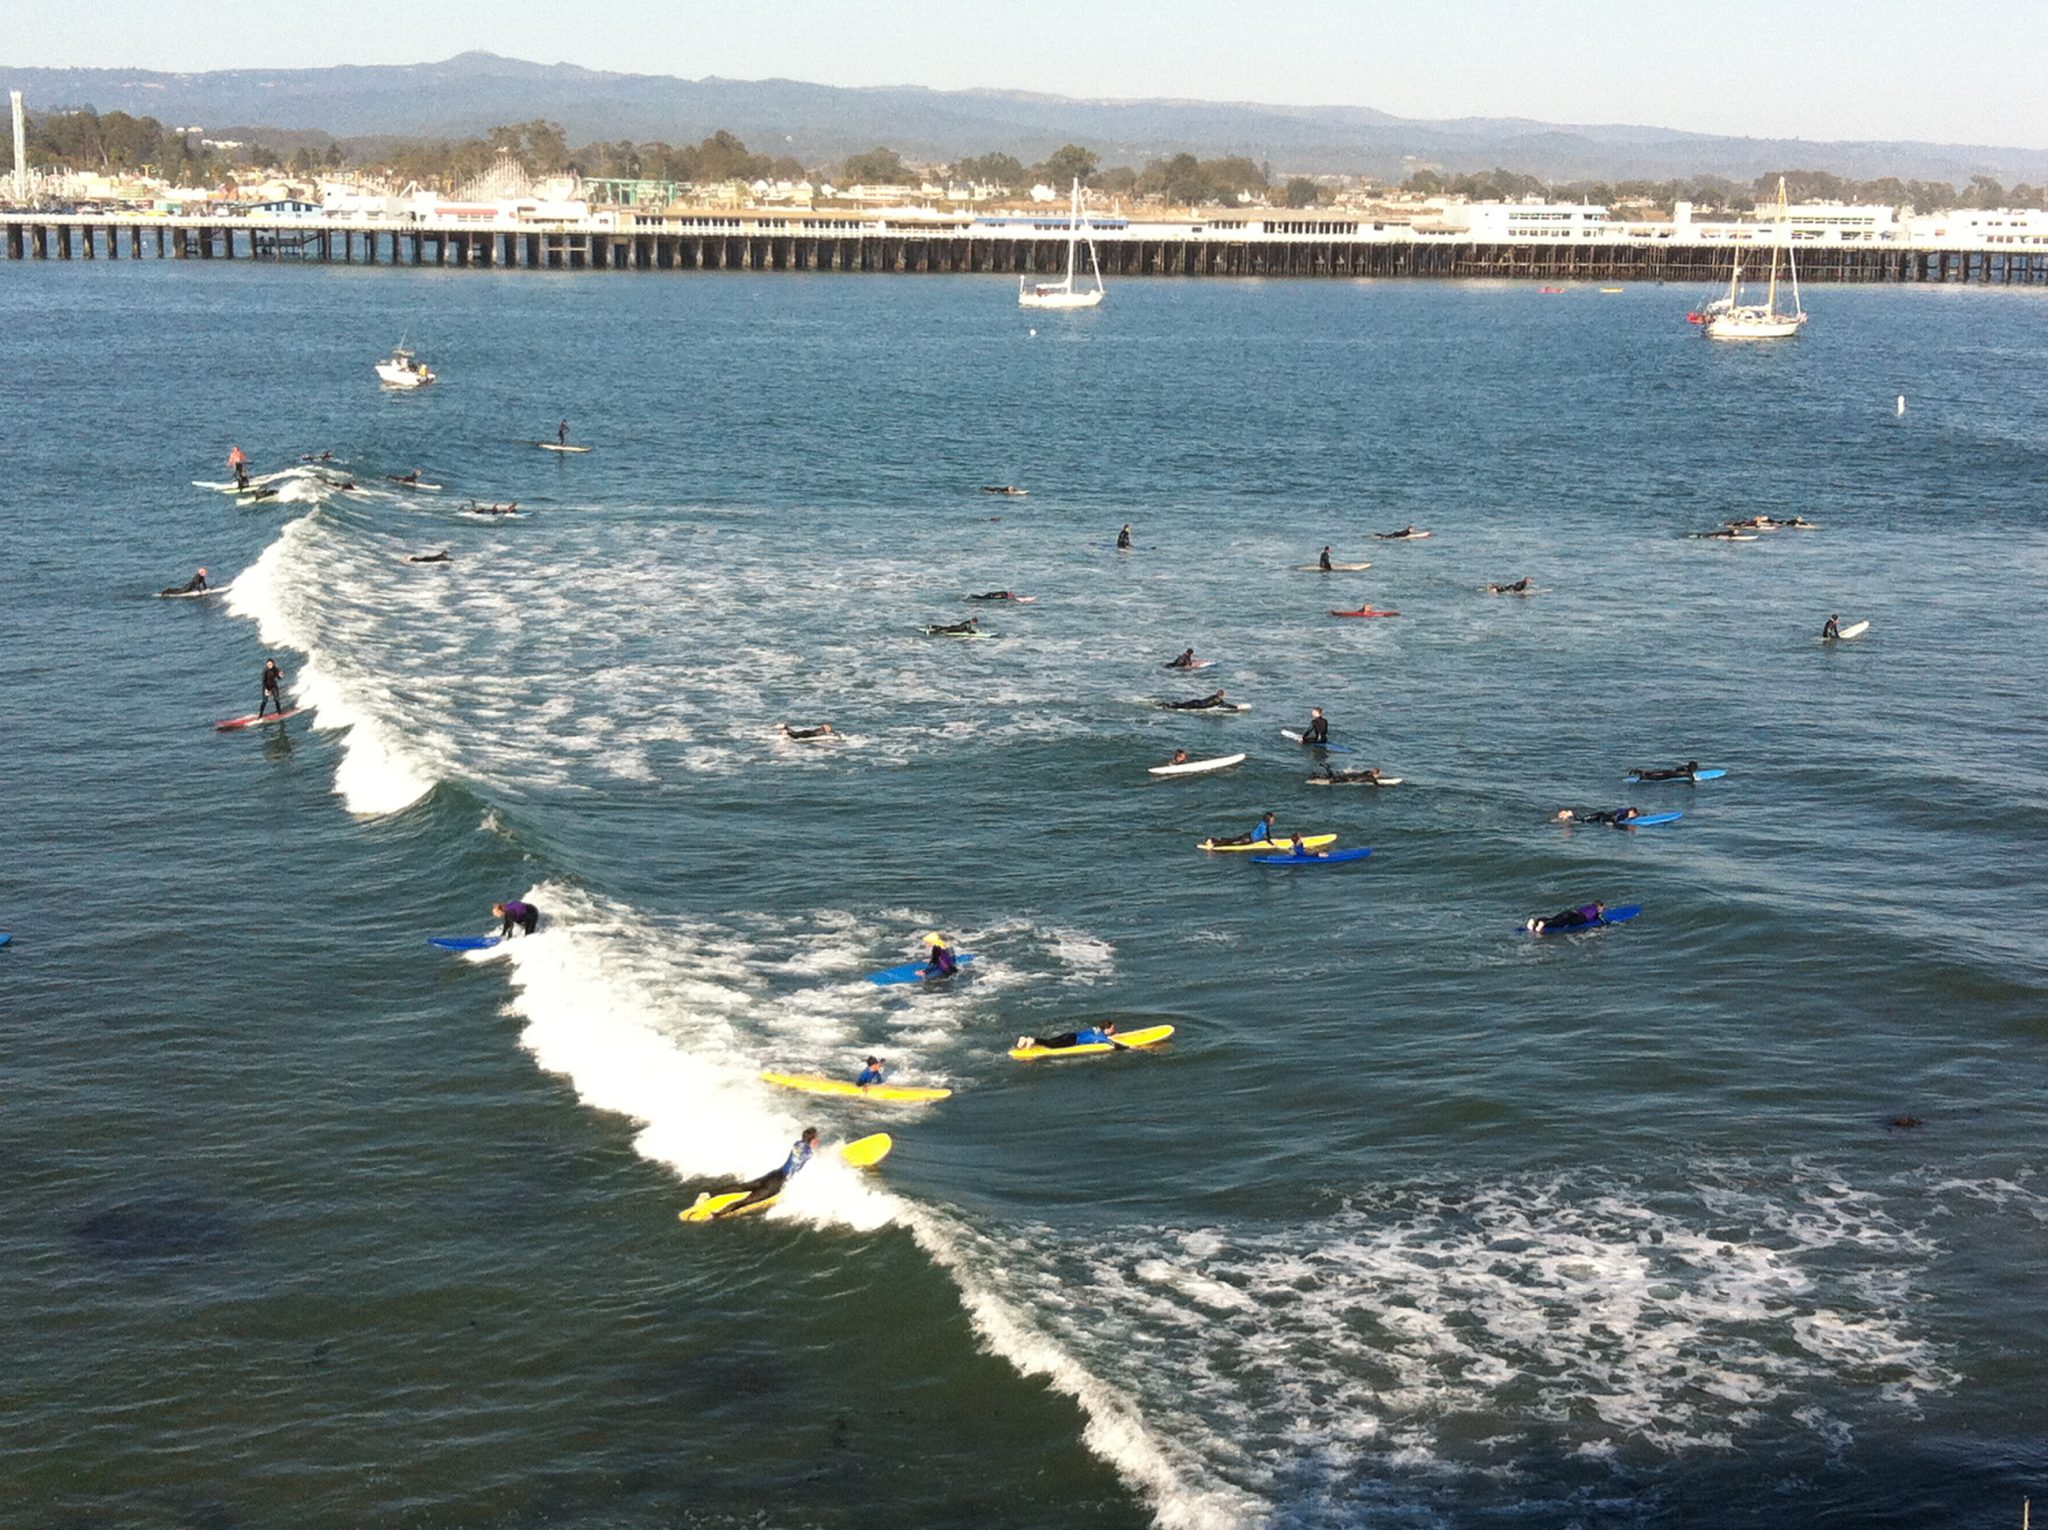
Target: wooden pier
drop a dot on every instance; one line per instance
(738, 243)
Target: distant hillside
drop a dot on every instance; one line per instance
(470, 93)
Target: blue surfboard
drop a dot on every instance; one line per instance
(1705, 775)
(1650, 820)
(463, 942)
(5, 937)
(1620, 915)
(910, 972)
(1312, 858)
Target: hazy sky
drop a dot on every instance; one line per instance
(1797, 68)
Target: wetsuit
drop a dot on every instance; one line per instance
(770, 1185)
(524, 915)
(562, 434)
(1833, 629)
(1200, 703)
(1185, 661)
(790, 732)
(937, 630)
(993, 595)
(1087, 1036)
(1123, 539)
(1324, 561)
(869, 1075)
(439, 557)
(191, 586)
(1317, 731)
(943, 962)
(273, 679)
(1573, 918)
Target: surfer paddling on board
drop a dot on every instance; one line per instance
(823, 730)
(434, 557)
(1621, 818)
(873, 1073)
(273, 682)
(239, 466)
(513, 914)
(955, 629)
(407, 478)
(769, 1185)
(1686, 772)
(1103, 1035)
(191, 586)
(1123, 538)
(1197, 704)
(1831, 628)
(996, 595)
(1185, 661)
(1519, 587)
(1261, 833)
(1570, 918)
(1371, 774)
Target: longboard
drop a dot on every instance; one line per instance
(1150, 1036)
(1221, 707)
(214, 589)
(413, 483)
(1620, 915)
(1189, 668)
(252, 719)
(1650, 820)
(552, 446)
(464, 942)
(911, 972)
(1400, 536)
(811, 1083)
(1315, 858)
(1703, 775)
(5, 937)
(1312, 841)
(1196, 767)
(862, 1153)
(1382, 781)
(1334, 568)
(935, 632)
(1289, 733)
(1855, 629)
(1365, 611)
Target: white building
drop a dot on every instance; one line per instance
(1521, 222)
(1982, 228)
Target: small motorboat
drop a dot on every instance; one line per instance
(403, 370)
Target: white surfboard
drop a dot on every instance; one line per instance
(1855, 630)
(1196, 767)
(1334, 568)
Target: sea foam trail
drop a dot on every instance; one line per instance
(661, 1024)
(283, 592)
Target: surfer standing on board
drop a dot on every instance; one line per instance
(562, 434)
(273, 681)
(239, 466)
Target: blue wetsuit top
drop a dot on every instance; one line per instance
(1093, 1036)
(869, 1076)
(799, 1155)
(1260, 833)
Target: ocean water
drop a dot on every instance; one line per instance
(1417, 1221)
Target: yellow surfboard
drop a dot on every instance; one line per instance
(1268, 846)
(812, 1083)
(862, 1153)
(1150, 1036)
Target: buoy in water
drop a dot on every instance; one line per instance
(1901, 409)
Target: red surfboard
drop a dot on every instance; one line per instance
(1365, 611)
(252, 719)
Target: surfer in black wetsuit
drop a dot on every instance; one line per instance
(1369, 776)
(1197, 704)
(1519, 587)
(191, 586)
(1396, 536)
(1621, 818)
(1685, 772)
(955, 629)
(409, 478)
(1317, 733)
(995, 595)
(1185, 661)
(821, 731)
(273, 681)
(1831, 628)
(1089, 1036)
(562, 434)
(436, 557)
(1324, 561)
(1123, 538)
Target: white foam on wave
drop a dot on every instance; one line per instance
(666, 1023)
(290, 592)
(1313, 1365)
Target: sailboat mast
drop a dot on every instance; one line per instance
(1073, 231)
(1777, 249)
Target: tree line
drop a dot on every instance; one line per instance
(116, 142)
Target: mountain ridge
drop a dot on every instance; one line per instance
(470, 92)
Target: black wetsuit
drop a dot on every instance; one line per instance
(1123, 539)
(273, 678)
(191, 587)
(1317, 731)
(1324, 561)
(805, 732)
(439, 557)
(1199, 704)
(955, 629)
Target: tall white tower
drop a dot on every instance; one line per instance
(20, 149)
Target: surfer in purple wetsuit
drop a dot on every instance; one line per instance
(942, 963)
(1571, 918)
(515, 913)
(273, 681)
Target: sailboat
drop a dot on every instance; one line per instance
(1063, 293)
(1728, 318)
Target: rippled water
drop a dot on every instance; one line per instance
(1416, 1220)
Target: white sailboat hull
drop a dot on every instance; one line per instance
(1740, 326)
(1058, 297)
